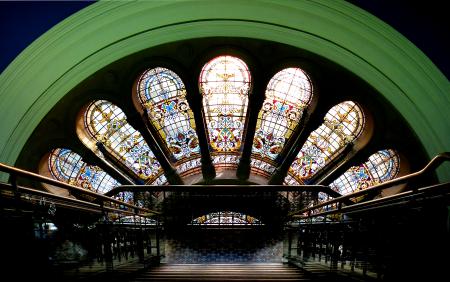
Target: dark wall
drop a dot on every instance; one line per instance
(224, 246)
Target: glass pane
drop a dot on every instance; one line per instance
(107, 123)
(226, 218)
(343, 124)
(261, 167)
(381, 166)
(224, 84)
(67, 166)
(287, 95)
(163, 94)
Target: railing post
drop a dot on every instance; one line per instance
(157, 237)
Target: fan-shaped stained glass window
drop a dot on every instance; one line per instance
(163, 94)
(107, 124)
(381, 166)
(67, 166)
(134, 220)
(225, 84)
(343, 124)
(287, 95)
(226, 218)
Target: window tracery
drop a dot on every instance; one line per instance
(342, 124)
(107, 124)
(67, 166)
(380, 167)
(225, 83)
(162, 92)
(226, 218)
(287, 95)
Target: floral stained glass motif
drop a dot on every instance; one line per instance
(67, 166)
(381, 166)
(287, 95)
(225, 83)
(107, 124)
(163, 94)
(343, 124)
(226, 218)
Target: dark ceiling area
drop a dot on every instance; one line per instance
(425, 24)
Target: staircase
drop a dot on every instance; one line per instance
(235, 272)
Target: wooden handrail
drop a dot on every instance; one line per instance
(433, 164)
(26, 190)
(385, 201)
(40, 178)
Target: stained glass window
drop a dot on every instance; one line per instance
(381, 166)
(107, 123)
(225, 161)
(190, 167)
(343, 124)
(160, 180)
(289, 180)
(225, 84)
(134, 220)
(261, 167)
(226, 218)
(287, 95)
(163, 94)
(67, 166)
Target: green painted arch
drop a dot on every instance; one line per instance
(107, 31)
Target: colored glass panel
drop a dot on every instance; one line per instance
(261, 167)
(134, 220)
(380, 167)
(190, 167)
(223, 161)
(225, 83)
(159, 181)
(67, 166)
(343, 124)
(287, 95)
(226, 218)
(107, 123)
(163, 94)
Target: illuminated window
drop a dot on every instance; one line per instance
(287, 95)
(67, 166)
(381, 166)
(225, 84)
(130, 219)
(343, 124)
(262, 168)
(107, 123)
(226, 218)
(163, 94)
(190, 167)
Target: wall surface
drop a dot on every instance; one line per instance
(224, 246)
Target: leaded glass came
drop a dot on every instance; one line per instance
(107, 124)
(225, 83)
(381, 166)
(67, 166)
(163, 94)
(343, 124)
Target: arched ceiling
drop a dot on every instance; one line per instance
(105, 32)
